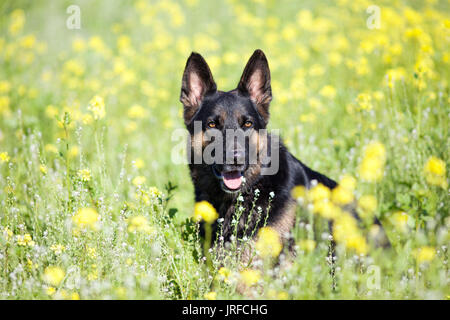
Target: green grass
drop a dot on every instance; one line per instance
(133, 53)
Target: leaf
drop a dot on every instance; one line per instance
(172, 212)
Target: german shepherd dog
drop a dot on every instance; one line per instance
(244, 109)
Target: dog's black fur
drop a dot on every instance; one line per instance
(248, 103)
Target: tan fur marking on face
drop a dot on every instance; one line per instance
(198, 143)
(260, 140)
(257, 142)
(237, 114)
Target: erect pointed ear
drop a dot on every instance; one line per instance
(255, 83)
(197, 83)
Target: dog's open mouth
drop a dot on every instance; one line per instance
(231, 181)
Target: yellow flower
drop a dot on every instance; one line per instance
(97, 107)
(4, 157)
(74, 67)
(51, 148)
(51, 112)
(86, 217)
(368, 203)
(58, 248)
(358, 243)
(93, 274)
(31, 265)
(138, 163)
(341, 196)
(424, 254)
(84, 175)
(224, 274)
(74, 296)
(268, 243)
(8, 234)
(73, 151)
(43, 169)
(139, 180)
(435, 172)
(121, 292)
(273, 294)
(210, 295)
(319, 193)
(25, 240)
(146, 195)
(17, 22)
(400, 220)
(140, 224)
(375, 150)
(54, 275)
(346, 231)
(371, 167)
(326, 209)
(136, 112)
(87, 119)
(4, 105)
(348, 182)
(154, 192)
(50, 291)
(328, 91)
(364, 101)
(204, 210)
(250, 277)
(79, 44)
(307, 245)
(28, 42)
(299, 192)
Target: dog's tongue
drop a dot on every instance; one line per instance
(232, 179)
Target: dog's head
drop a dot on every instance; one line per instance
(233, 119)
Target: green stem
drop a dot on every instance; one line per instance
(207, 244)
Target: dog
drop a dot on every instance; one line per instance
(223, 183)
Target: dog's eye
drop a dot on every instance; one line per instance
(248, 124)
(211, 124)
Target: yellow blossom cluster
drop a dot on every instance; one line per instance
(371, 167)
(25, 240)
(330, 204)
(54, 275)
(146, 195)
(4, 157)
(435, 172)
(139, 224)
(84, 175)
(250, 277)
(268, 243)
(97, 107)
(205, 211)
(86, 218)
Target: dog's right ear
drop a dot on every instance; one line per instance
(197, 83)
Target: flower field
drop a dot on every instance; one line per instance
(93, 206)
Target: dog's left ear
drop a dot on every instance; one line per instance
(255, 83)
